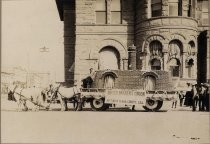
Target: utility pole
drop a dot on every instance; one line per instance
(45, 50)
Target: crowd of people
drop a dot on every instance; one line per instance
(197, 97)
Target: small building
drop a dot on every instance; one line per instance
(20, 76)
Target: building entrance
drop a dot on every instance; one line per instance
(109, 58)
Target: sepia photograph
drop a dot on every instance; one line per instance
(105, 71)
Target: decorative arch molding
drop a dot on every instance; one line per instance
(177, 36)
(192, 38)
(112, 73)
(150, 73)
(149, 39)
(113, 43)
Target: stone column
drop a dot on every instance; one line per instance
(146, 62)
(165, 8)
(108, 2)
(132, 57)
(125, 64)
(184, 72)
(148, 9)
(185, 8)
(195, 68)
(165, 57)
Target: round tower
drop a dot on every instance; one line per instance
(166, 37)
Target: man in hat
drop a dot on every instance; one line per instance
(202, 93)
(194, 97)
(87, 82)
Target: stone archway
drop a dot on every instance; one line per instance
(109, 58)
(119, 48)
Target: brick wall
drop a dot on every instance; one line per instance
(130, 79)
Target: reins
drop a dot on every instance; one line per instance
(29, 99)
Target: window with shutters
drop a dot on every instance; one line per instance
(156, 7)
(116, 12)
(101, 12)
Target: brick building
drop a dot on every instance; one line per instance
(169, 35)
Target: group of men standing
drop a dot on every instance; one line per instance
(198, 96)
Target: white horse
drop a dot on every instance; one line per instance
(68, 94)
(28, 96)
(63, 94)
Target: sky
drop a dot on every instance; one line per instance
(27, 26)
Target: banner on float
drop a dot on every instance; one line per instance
(125, 96)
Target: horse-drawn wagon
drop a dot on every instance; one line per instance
(110, 88)
(130, 88)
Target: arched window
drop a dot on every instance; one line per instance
(174, 66)
(109, 82)
(149, 82)
(156, 48)
(109, 58)
(175, 49)
(191, 48)
(190, 65)
(190, 61)
(155, 64)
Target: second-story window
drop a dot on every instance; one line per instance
(101, 12)
(175, 7)
(205, 18)
(156, 6)
(179, 7)
(116, 11)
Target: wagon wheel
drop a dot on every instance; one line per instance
(153, 105)
(98, 104)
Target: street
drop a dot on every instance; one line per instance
(122, 126)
